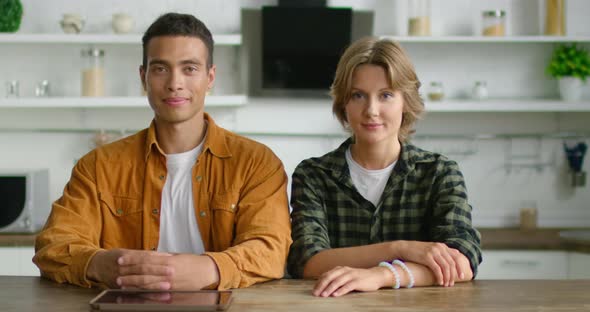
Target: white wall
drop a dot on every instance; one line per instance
(511, 70)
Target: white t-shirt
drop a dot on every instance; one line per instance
(179, 231)
(369, 183)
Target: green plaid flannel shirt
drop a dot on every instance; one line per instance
(425, 199)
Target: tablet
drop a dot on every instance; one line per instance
(161, 300)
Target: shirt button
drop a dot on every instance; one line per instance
(233, 207)
(198, 178)
(119, 211)
(161, 177)
(203, 214)
(155, 211)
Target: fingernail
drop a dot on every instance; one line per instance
(324, 294)
(119, 282)
(462, 275)
(120, 260)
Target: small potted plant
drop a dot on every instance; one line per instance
(571, 65)
(11, 13)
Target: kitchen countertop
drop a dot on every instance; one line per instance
(492, 239)
(17, 240)
(37, 294)
(538, 239)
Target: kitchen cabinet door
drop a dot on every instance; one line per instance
(18, 261)
(579, 264)
(9, 261)
(518, 264)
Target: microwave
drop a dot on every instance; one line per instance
(24, 200)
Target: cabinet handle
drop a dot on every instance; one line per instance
(521, 263)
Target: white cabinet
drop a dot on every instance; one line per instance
(18, 261)
(512, 264)
(578, 266)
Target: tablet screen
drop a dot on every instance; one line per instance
(116, 298)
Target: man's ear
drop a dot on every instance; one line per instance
(211, 76)
(142, 76)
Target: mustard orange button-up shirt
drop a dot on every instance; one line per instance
(113, 201)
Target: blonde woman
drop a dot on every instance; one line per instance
(378, 211)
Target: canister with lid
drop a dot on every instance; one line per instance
(93, 72)
(419, 19)
(494, 23)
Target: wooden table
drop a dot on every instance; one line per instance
(37, 294)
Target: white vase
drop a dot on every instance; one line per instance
(122, 23)
(570, 89)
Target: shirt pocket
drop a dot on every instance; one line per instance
(224, 210)
(122, 222)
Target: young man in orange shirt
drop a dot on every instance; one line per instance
(183, 204)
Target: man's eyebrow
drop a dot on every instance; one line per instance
(157, 61)
(191, 61)
(183, 62)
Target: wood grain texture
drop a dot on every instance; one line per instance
(37, 294)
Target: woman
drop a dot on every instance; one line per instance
(378, 211)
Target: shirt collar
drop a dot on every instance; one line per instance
(215, 140)
(335, 161)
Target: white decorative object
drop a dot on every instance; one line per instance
(480, 90)
(570, 89)
(72, 23)
(122, 23)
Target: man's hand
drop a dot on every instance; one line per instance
(162, 271)
(442, 260)
(104, 267)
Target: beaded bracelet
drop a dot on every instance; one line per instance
(394, 271)
(405, 268)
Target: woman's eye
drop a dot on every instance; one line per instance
(387, 95)
(356, 95)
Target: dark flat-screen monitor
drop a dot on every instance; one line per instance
(301, 46)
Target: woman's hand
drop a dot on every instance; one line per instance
(442, 260)
(342, 280)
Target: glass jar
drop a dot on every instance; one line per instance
(494, 23)
(419, 18)
(554, 17)
(436, 91)
(480, 90)
(93, 72)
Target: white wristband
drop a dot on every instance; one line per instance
(394, 271)
(405, 268)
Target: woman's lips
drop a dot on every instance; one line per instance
(175, 101)
(371, 126)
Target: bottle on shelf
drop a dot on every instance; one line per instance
(480, 90)
(419, 18)
(494, 23)
(436, 91)
(555, 17)
(93, 72)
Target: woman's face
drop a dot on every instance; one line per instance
(374, 111)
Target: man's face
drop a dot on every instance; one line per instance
(176, 78)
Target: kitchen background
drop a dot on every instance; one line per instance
(510, 146)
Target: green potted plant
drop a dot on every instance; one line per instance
(11, 13)
(571, 65)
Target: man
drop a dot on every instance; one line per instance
(183, 204)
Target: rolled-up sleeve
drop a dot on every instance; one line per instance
(263, 230)
(70, 237)
(309, 220)
(452, 215)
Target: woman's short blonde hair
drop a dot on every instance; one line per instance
(398, 68)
